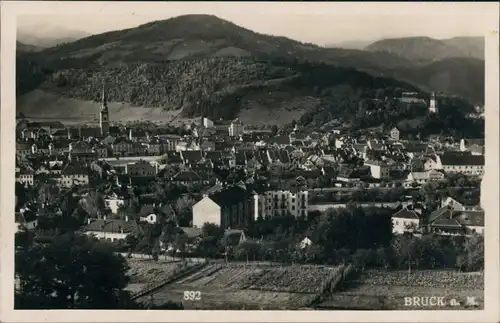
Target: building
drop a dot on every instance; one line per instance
(236, 128)
(230, 208)
(291, 201)
(141, 168)
(466, 164)
(395, 134)
(433, 104)
(111, 229)
(207, 123)
(405, 220)
(424, 177)
(114, 202)
(447, 221)
(104, 114)
(73, 175)
(25, 177)
(379, 170)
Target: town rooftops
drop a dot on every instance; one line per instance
(230, 196)
(113, 226)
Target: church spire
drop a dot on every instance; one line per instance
(104, 103)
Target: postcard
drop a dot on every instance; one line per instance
(267, 161)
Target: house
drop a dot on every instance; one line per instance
(141, 168)
(466, 164)
(447, 221)
(114, 202)
(236, 128)
(111, 229)
(276, 202)
(121, 146)
(230, 208)
(395, 134)
(423, 177)
(432, 162)
(470, 205)
(378, 169)
(74, 174)
(25, 177)
(404, 220)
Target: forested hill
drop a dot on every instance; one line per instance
(203, 64)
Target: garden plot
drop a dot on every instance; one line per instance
(247, 287)
(387, 290)
(147, 272)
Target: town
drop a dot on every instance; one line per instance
(219, 192)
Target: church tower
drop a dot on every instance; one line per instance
(104, 114)
(433, 104)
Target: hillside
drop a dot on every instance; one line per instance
(426, 49)
(452, 75)
(24, 48)
(200, 64)
(218, 87)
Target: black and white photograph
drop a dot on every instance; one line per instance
(195, 156)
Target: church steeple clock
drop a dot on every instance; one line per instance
(104, 114)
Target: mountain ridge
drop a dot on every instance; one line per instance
(427, 49)
(233, 68)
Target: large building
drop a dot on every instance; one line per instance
(231, 208)
(291, 201)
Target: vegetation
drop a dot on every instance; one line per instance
(426, 49)
(70, 271)
(220, 68)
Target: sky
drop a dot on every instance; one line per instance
(321, 23)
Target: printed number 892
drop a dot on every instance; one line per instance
(190, 295)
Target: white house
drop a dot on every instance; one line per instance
(423, 177)
(114, 202)
(379, 170)
(432, 162)
(404, 220)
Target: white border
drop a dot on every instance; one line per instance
(485, 12)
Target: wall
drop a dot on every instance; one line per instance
(204, 211)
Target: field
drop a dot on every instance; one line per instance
(238, 286)
(145, 272)
(39, 105)
(386, 290)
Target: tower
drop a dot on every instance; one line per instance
(104, 114)
(433, 104)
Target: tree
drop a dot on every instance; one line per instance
(274, 130)
(70, 271)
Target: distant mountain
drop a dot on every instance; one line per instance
(471, 46)
(426, 49)
(200, 64)
(46, 35)
(354, 44)
(24, 48)
(462, 75)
